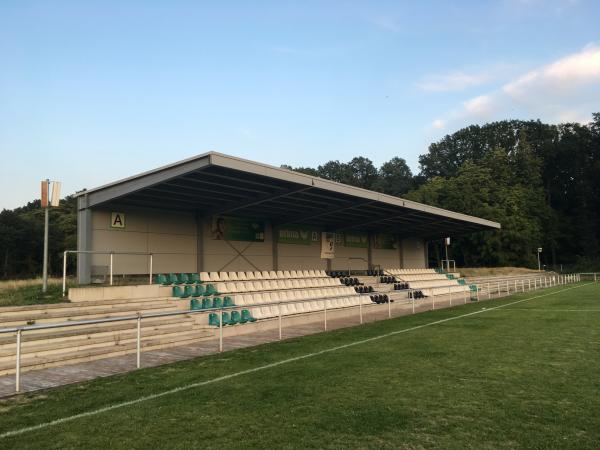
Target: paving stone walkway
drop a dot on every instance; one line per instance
(75, 373)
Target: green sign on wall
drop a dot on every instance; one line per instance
(296, 235)
(385, 241)
(237, 229)
(357, 240)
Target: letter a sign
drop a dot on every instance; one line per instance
(117, 220)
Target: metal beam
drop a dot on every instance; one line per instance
(321, 213)
(231, 207)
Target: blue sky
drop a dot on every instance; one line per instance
(95, 91)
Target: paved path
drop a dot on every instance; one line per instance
(74, 373)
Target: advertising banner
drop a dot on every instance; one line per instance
(237, 229)
(327, 245)
(295, 235)
(357, 240)
(385, 241)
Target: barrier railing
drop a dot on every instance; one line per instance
(539, 283)
(111, 263)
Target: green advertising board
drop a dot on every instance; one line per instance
(385, 241)
(238, 229)
(297, 235)
(357, 240)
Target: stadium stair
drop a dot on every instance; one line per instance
(79, 343)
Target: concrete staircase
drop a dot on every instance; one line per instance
(79, 343)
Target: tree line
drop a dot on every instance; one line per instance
(540, 181)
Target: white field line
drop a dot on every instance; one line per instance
(187, 387)
(552, 310)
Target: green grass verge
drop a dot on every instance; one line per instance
(31, 295)
(523, 376)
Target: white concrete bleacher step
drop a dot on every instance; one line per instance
(82, 313)
(44, 358)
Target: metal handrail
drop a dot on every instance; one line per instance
(564, 279)
(111, 253)
(171, 313)
(94, 252)
(350, 258)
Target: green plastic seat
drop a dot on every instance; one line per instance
(210, 290)
(199, 289)
(213, 319)
(160, 279)
(207, 303)
(236, 317)
(217, 302)
(247, 316)
(195, 304)
(188, 291)
(194, 278)
(172, 279)
(178, 292)
(228, 301)
(183, 278)
(226, 319)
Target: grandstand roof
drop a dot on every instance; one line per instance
(214, 184)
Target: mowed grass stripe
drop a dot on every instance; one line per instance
(220, 381)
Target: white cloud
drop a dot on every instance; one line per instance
(567, 89)
(438, 124)
(453, 81)
(481, 106)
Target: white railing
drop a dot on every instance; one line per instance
(110, 265)
(539, 282)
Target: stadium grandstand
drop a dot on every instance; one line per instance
(217, 242)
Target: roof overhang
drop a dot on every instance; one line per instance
(215, 184)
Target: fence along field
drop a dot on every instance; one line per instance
(515, 372)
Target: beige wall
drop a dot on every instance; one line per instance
(145, 232)
(222, 255)
(162, 233)
(385, 258)
(340, 262)
(304, 257)
(413, 253)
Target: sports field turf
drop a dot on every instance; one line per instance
(524, 375)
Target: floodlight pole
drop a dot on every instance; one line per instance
(45, 264)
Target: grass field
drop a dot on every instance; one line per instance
(29, 292)
(520, 372)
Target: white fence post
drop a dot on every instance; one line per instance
(64, 284)
(489, 291)
(111, 268)
(139, 341)
(221, 331)
(360, 310)
(18, 363)
(279, 311)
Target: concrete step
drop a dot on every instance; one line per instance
(72, 357)
(84, 314)
(67, 306)
(35, 337)
(50, 348)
